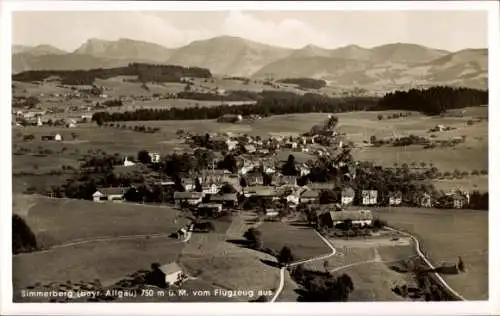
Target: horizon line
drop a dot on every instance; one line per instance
(245, 39)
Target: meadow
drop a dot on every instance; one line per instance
(105, 261)
(445, 235)
(59, 221)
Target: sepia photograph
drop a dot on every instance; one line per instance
(239, 154)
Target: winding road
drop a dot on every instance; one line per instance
(421, 255)
(282, 270)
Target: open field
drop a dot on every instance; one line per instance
(58, 221)
(367, 266)
(40, 182)
(303, 241)
(104, 261)
(217, 261)
(445, 235)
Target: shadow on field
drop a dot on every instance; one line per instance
(240, 242)
(298, 224)
(270, 263)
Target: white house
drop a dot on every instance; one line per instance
(369, 197)
(155, 157)
(39, 121)
(109, 194)
(347, 196)
(358, 218)
(128, 163)
(58, 137)
(173, 273)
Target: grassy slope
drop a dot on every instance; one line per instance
(447, 234)
(56, 221)
(104, 261)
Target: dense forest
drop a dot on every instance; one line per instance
(306, 83)
(144, 73)
(432, 101)
(271, 103)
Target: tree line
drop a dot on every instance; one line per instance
(144, 73)
(434, 100)
(271, 103)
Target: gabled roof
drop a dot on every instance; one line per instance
(263, 191)
(170, 268)
(360, 215)
(321, 185)
(112, 191)
(187, 195)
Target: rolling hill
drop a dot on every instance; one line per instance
(386, 66)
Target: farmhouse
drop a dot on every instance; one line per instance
(109, 194)
(359, 218)
(347, 196)
(369, 197)
(395, 198)
(173, 273)
(263, 192)
(190, 198)
(228, 199)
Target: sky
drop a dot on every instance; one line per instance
(449, 30)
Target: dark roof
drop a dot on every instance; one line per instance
(224, 197)
(310, 194)
(187, 195)
(209, 205)
(395, 194)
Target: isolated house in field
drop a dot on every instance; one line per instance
(395, 198)
(230, 118)
(359, 218)
(347, 196)
(173, 273)
(190, 198)
(227, 200)
(109, 194)
(369, 197)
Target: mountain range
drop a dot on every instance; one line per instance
(390, 65)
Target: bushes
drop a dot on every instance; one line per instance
(23, 239)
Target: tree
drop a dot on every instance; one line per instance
(229, 163)
(23, 239)
(74, 135)
(373, 139)
(326, 266)
(380, 117)
(328, 197)
(143, 157)
(285, 256)
(288, 168)
(243, 182)
(197, 185)
(267, 179)
(254, 237)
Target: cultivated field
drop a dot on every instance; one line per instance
(304, 242)
(445, 235)
(62, 221)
